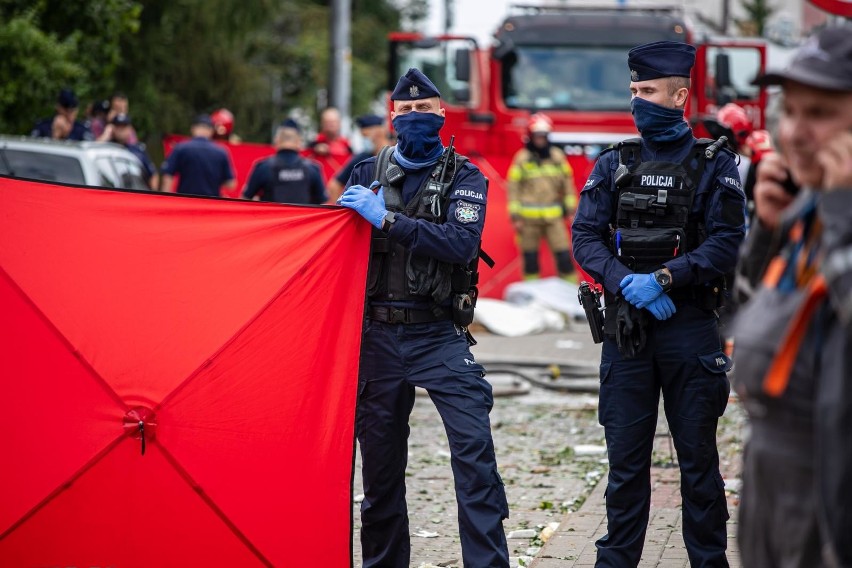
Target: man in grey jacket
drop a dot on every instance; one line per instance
(794, 336)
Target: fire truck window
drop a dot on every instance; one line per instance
(567, 78)
(743, 67)
(439, 63)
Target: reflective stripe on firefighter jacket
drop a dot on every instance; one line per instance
(540, 189)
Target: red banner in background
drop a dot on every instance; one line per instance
(180, 378)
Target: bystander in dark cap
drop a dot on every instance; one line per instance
(367, 120)
(67, 99)
(824, 61)
(414, 86)
(660, 59)
(202, 120)
(100, 106)
(121, 120)
(290, 123)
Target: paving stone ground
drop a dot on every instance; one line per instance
(548, 481)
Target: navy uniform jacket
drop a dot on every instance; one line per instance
(203, 167)
(149, 168)
(260, 179)
(79, 131)
(455, 241)
(719, 200)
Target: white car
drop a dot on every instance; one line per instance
(96, 164)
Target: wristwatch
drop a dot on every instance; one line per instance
(664, 279)
(388, 222)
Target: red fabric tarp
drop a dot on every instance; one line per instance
(232, 328)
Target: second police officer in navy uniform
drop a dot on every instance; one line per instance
(659, 223)
(428, 217)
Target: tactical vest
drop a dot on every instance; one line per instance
(290, 183)
(654, 219)
(397, 275)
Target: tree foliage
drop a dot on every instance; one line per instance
(759, 12)
(48, 45)
(175, 58)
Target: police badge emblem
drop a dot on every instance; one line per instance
(634, 75)
(414, 91)
(467, 212)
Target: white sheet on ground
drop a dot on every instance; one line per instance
(510, 320)
(554, 293)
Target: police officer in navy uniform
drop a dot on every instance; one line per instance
(67, 107)
(286, 177)
(659, 223)
(428, 218)
(203, 166)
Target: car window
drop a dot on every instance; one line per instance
(41, 166)
(107, 176)
(130, 174)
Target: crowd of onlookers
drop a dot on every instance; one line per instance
(202, 166)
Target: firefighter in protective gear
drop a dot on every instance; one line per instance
(541, 197)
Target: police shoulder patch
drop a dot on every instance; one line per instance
(467, 212)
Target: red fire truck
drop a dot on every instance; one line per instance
(571, 64)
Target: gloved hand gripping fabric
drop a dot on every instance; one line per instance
(369, 205)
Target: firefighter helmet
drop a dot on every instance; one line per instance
(734, 117)
(539, 123)
(759, 143)
(223, 122)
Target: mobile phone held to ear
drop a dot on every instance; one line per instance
(789, 185)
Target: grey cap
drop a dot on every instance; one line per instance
(824, 62)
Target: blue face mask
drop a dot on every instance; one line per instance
(657, 123)
(417, 136)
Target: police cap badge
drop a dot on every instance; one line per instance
(413, 86)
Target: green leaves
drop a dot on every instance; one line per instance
(175, 58)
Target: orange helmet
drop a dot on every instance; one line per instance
(223, 122)
(734, 117)
(539, 123)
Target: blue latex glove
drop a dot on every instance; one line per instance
(640, 289)
(662, 307)
(369, 205)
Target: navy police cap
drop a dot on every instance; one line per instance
(290, 123)
(367, 120)
(202, 120)
(660, 59)
(67, 99)
(414, 86)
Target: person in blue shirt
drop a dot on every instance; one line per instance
(375, 135)
(122, 133)
(204, 168)
(64, 124)
(659, 223)
(286, 177)
(428, 217)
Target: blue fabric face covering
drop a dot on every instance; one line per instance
(657, 123)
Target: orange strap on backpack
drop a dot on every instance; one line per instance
(778, 375)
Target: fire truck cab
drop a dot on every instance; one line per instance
(571, 64)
